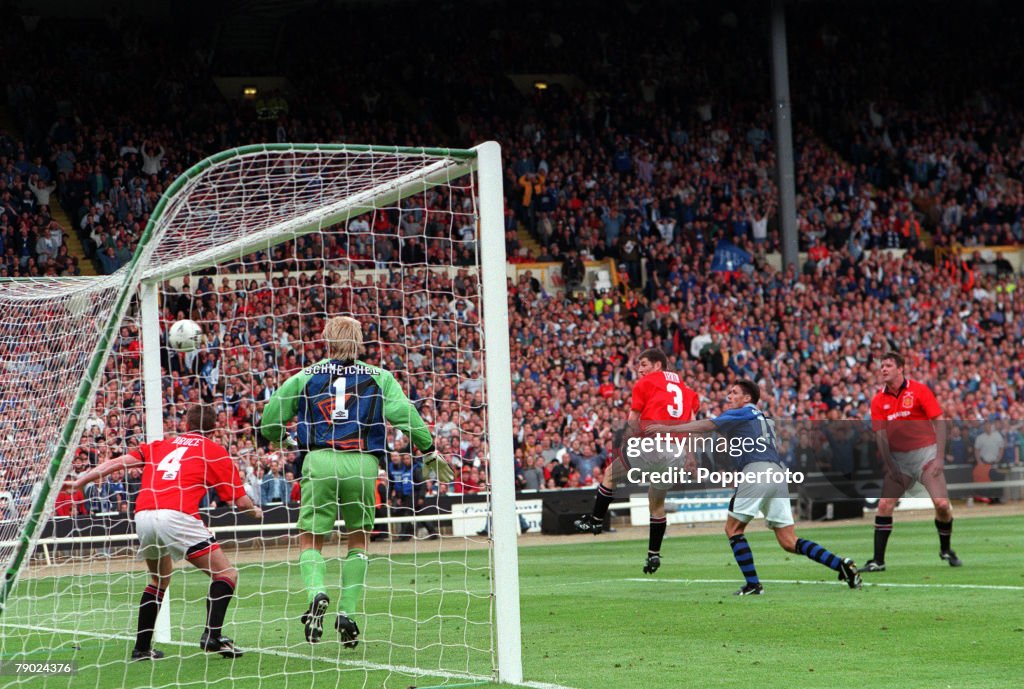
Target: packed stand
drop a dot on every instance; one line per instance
(651, 166)
(32, 243)
(943, 132)
(811, 342)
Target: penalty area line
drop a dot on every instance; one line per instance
(983, 587)
(360, 664)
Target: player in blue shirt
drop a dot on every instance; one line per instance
(747, 427)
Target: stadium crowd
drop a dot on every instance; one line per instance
(685, 150)
(651, 173)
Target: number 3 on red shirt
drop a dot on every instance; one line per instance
(675, 410)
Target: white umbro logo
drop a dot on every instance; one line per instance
(887, 407)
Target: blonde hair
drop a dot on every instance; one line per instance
(344, 338)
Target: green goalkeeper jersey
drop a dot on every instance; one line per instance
(342, 405)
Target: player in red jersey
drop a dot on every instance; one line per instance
(658, 395)
(176, 474)
(911, 439)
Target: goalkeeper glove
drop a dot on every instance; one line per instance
(436, 463)
(288, 443)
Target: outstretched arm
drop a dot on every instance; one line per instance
(402, 414)
(282, 408)
(123, 462)
(703, 426)
(245, 505)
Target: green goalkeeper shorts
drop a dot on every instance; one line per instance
(330, 479)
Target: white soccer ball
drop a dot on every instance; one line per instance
(185, 336)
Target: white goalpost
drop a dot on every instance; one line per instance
(260, 245)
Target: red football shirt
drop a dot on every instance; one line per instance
(906, 415)
(662, 396)
(178, 471)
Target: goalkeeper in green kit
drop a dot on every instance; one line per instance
(342, 404)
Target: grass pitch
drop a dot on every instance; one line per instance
(591, 620)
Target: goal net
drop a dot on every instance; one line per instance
(260, 245)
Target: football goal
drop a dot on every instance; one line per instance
(260, 245)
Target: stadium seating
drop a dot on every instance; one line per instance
(648, 172)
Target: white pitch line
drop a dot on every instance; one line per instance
(362, 664)
(986, 587)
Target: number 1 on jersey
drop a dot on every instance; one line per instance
(340, 412)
